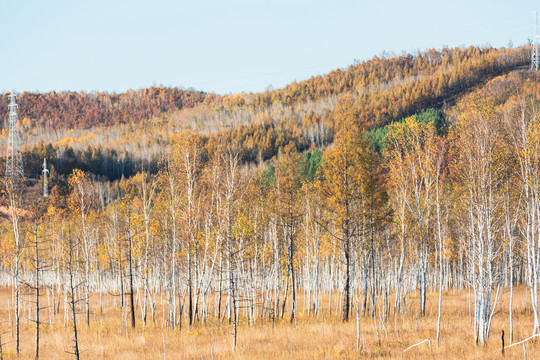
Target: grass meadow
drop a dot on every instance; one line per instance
(312, 337)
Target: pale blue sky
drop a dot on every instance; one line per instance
(230, 46)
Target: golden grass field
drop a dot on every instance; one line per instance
(312, 338)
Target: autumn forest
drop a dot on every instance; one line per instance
(390, 209)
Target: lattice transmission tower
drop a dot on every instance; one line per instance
(535, 57)
(14, 162)
(45, 173)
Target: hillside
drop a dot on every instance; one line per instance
(107, 134)
(416, 80)
(65, 110)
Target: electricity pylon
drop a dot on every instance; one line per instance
(14, 162)
(535, 56)
(45, 173)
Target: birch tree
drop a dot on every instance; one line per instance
(83, 197)
(14, 188)
(187, 157)
(524, 126)
(480, 169)
(414, 154)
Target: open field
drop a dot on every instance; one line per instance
(322, 337)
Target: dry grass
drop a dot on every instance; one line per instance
(313, 338)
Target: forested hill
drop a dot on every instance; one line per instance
(386, 87)
(84, 110)
(389, 88)
(107, 134)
